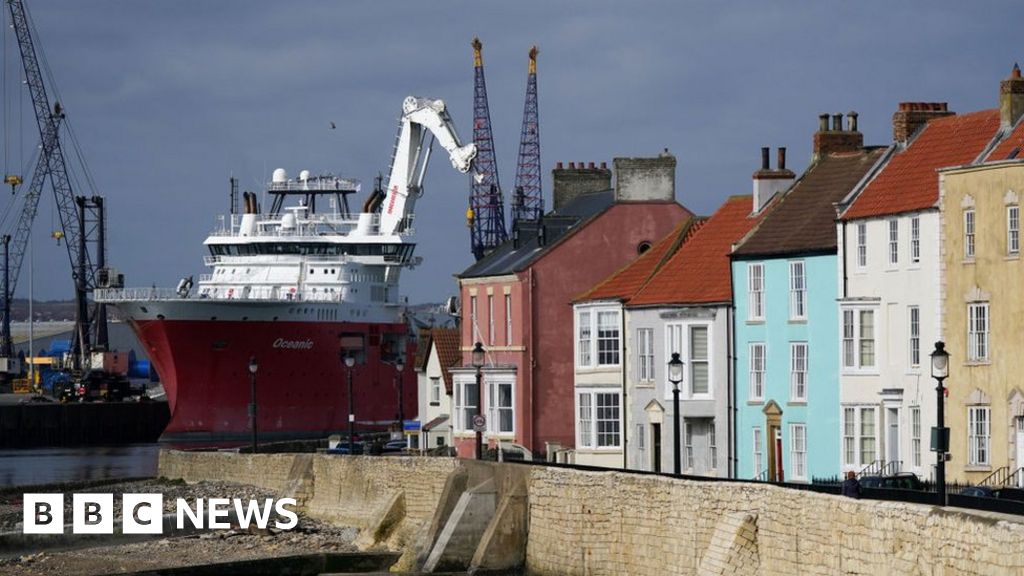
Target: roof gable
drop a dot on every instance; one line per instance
(446, 342)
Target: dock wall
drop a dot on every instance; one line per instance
(595, 522)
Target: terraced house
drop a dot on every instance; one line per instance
(784, 286)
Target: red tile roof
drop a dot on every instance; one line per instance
(629, 279)
(700, 271)
(909, 182)
(446, 340)
(1004, 150)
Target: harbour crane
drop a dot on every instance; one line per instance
(486, 214)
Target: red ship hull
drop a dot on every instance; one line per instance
(301, 382)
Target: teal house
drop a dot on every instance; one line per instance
(785, 290)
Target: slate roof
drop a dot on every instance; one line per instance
(700, 271)
(908, 182)
(804, 218)
(446, 341)
(628, 280)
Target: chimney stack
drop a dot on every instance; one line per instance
(1011, 98)
(768, 182)
(911, 116)
(568, 183)
(646, 179)
(836, 140)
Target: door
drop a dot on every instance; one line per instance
(656, 447)
(780, 475)
(1019, 426)
(892, 437)
(698, 446)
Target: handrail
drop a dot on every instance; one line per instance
(873, 469)
(999, 474)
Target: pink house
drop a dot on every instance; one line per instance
(517, 300)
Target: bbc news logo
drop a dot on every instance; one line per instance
(144, 513)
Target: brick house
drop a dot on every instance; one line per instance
(517, 300)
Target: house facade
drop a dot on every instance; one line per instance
(526, 286)
(434, 379)
(785, 283)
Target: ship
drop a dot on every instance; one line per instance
(300, 305)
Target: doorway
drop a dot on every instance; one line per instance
(656, 447)
(892, 437)
(1019, 428)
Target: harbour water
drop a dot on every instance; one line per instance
(57, 465)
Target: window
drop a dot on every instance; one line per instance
(914, 314)
(1012, 230)
(798, 371)
(490, 319)
(798, 450)
(583, 339)
(698, 360)
(435, 389)
(969, 234)
(712, 446)
(598, 419)
(645, 354)
(894, 242)
(862, 245)
(915, 436)
(977, 331)
(640, 436)
(508, 319)
(758, 452)
(755, 291)
(500, 414)
(915, 239)
(465, 405)
(797, 291)
(688, 444)
(757, 371)
(859, 436)
(472, 318)
(858, 338)
(607, 338)
(978, 430)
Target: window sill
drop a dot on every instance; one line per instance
(972, 363)
(978, 468)
(644, 385)
(755, 321)
(860, 373)
(797, 403)
(602, 450)
(755, 402)
(798, 320)
(967, 262)
(1012, 257)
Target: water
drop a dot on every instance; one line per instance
(54, 465)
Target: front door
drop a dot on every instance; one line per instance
(698, 448)
(892, 436)
(656, 447)
(1019, 426)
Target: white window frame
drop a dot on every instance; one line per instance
(645, 355)
(854, 436)
(862, 245)
(854, 344)
(490, 319)
(1013, 230)
(969, 231)
(435, 389)
(588, 418)
(758, 364)
(915, 436)
(584, 339)
(712, 446)
(799, 360)
(914, 336)
(679, 338)
(797, 290)
(508, 319)
(692, 362)
(473, 319)
(758, 450)
(915, 239)
(494, 410)
(687, 444)
(755, 291)
(894, 242)
(979, 326)
(798, 451)
(463, 412)
(979, 436)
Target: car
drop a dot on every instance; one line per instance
(395, 446)
(342, 448)
(1010, 493)
(901, 481)
(978, 492)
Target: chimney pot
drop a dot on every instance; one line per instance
(1011, 99)
(572, 165)
(822, 122)
(781, 158)
(1016, 71)
(837, 122)
(852, 120)
(764, 158)
(604, 165)
(558, 166)
(590, 165)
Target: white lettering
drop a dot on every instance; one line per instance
(293, 344)
(92, 513)
(293, 518)
(43, 514)
(142, 513)
(218, 509)
(246, 514)
(185, 510)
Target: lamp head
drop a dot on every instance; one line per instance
(399, 365)
(940, 361)
(253, 366)
(478, 355)
(350, 360)
(675, 369)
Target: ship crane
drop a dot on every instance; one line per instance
(423, 120)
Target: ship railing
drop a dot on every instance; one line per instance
(135, 294)
(319, 224)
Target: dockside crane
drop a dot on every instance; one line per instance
(486, 214)
(528, 200)
(81, 218)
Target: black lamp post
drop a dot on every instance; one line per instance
(350, 361)
(675, 376)
(478, 363)
(940, 434)
(253, 367)
(399, 367)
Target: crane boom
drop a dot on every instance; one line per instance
(51, 163)
(421, 118)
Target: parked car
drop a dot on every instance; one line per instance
(901, 481)
(394, 446)
(978, 492)
(357, 448)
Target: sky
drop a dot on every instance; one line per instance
(168, 99)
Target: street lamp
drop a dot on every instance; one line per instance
(350, 361)
(253, 367)
(940, 434)
(675, 376)
(478, 363)
(399, 366)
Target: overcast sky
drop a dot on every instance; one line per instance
(170, 98)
